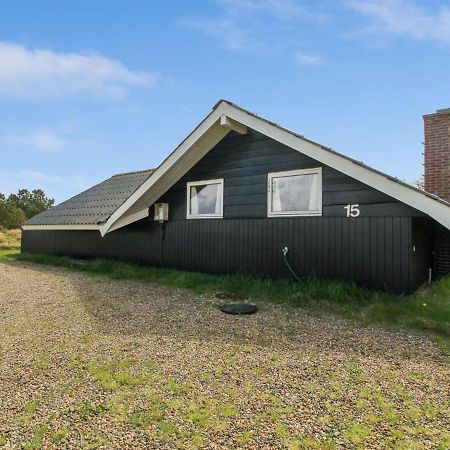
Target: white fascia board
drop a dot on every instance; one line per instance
(125, 220)
(174, 173)
(210, 120)
(416, 199)
(61, 227)
(226, 114)
(232, 124)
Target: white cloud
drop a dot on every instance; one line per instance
(36, 176)
(41, 139)
(246, 24)
(281, 9)
(309, 59)
(405, 18)
(45, 138)
(135, 110)
(226, 30)
(39, 73)
(68, 185)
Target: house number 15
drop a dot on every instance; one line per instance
(352, 210)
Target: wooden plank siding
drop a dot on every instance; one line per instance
(423, 236)
(442, 252)
(244, 161)
(361, 250)
(373, 249)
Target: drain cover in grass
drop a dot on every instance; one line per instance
(239, 308)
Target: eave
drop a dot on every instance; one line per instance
(226, 117)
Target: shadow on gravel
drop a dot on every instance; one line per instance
(128, 308)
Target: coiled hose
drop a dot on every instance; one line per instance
(285, 251)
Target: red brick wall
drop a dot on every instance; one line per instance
(437, 153)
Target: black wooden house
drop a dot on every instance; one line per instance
(240, 189)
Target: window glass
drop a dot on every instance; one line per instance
(205, 199)
(297, 192)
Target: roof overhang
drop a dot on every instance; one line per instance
(61, 227)
(226, 117)
(207, 134)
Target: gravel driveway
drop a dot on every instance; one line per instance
(89, 362)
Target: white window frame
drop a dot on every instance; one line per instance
(289, 173)
(188, 199)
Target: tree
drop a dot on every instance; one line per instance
(10, 215)
(31, 203)
(21, 206)
(420, 183)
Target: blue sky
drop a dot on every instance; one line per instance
(89, 89)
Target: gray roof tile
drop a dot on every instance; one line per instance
(95, 205)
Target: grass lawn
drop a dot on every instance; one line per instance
(93, 362)
(428, 311)
(10, 239)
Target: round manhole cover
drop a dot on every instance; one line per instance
(239, 308)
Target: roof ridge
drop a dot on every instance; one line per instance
(133, 172)
(336, 152)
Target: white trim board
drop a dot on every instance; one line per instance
(226, 117)
(130, 219)
(60, 227)
(207, 134)
(210, 132)
(415, 198)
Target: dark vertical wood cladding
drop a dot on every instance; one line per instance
(374, 249)
(38, 242)
(423, 236)
(374, 252)
(442, 253)
(244, 161)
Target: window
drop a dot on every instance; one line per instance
(205, 199)
(295, 193)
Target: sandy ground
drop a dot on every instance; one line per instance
(89, 362)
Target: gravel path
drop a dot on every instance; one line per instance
(88, 362)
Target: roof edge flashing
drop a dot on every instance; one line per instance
(210, 131)
(431, 205)
(67, 227)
